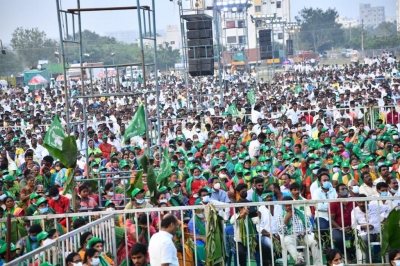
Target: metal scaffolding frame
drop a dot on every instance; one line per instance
(200, 7)
(73, 37)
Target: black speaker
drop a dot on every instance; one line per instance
(289, 47)
(200, 50)
(201, 67)
(265, 43)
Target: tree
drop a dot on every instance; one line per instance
(319, 29)
(166, 56)
(386, 29)
(9, 64)
(32, 45)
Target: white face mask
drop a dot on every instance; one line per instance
(111, 193)
(340, 264)
(395, 136)
(95, 261)
(355, 167)
(315, 171)
(336, 169)
(77, 264)
(217, 186)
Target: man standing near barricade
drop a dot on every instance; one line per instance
(162, 249)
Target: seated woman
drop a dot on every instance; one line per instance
(83, 241)
(11, 208)
(109, 194)
(198, 225)
(97, 244)
(92, 257)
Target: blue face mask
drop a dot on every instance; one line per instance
(384, 194)
(198, 177)
(268, 165)
(33, 238)
(140, 201)
(87, 247)
(43, 210)
(326, 185)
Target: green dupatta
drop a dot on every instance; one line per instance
(290, 225)
(146, 236)
(200, 226)
(252, 243)
(254, 196)
(103, 261)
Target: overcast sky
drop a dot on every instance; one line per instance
(42, 14)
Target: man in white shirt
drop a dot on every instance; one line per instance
(256, 114)
(268, 222)
(325, 191)
(370, 225)
(162, 250)
(293, 114)
(254, 147)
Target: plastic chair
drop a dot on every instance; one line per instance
(230, 245)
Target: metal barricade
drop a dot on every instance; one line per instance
(57, 251)
(282, 241)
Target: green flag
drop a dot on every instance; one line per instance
(53, 140)
(251, 96)
(232, 109)
(165, 167)
(138, 125)
(298, 88)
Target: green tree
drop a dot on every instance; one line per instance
(9, 64)
(166, 56)
(32, 45)
(319, 29)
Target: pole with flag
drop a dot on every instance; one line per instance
(53, 140)
(137, 127)
(232, 109)
(165, 169)
(251, 96)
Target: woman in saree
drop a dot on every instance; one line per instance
(97, 244)
(11, 208)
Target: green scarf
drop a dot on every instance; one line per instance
(189, 183)
(223, 184)
(146, 236)
(174, 202)
(290, 225)
(251, 233)
(103, 261)
(254, 196)
(28, 244)
(200, 226)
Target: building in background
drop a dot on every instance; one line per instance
(348, 22)
(372, 16)
(172, 36)
(268, 7)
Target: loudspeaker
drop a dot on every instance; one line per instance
(289, 47)
(265, 43)
(200, 50)
(201, 67)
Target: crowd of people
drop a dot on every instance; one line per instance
(321, 132)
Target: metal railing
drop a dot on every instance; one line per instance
(57, 251)
(349, 235)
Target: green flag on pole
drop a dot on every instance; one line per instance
(53, 140)
(165, 167)
(251, 96)
(138, 125)
(232, 109)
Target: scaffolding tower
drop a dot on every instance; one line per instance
(201, 10)
(70, 33)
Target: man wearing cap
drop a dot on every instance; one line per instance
(11, 186)
(137, 200)
(29, 243)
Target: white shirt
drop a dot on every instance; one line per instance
(359, 218)
(162, 249)
(255, 115)
(285, 189)
(254, 148)
(322, 208)
(268, 221)
(293, 115)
